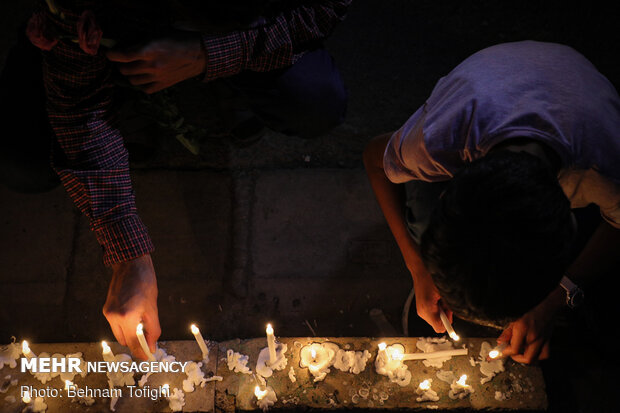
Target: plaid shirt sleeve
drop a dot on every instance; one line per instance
(277, 44)
(93, 162)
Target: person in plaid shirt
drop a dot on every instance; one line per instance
(270, 50)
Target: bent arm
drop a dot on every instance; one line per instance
(391, 198)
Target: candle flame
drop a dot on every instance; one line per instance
(396, 354)
(313, 353)
(455, 336)
(165, 390)
(259, 393)
(68, 384)
(382, 346)
(461, 381)
(139, 328)
(493, 354)
(106, 348)
(425, 385)
(194, 329)
(26, 397)
(269, 329)
(25, 348)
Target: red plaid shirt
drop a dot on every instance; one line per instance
(93, 165)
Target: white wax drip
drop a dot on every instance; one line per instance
(237, 362)
(68, 375)
(118, 378)
(394, 369)
(489, 368)
(458, 390)
(195, 377)
(431, 345)
(38, 405)
(446, 376)
(176, 400)
(351, 361)
(159, 355)
(9, 354)
(264, 368)
(318, 358)
(268, 399)
(426, 394)
(291, 375)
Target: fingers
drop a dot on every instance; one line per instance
(124, 56)
(152, 329)
(506, 335)
(517, 340)
(129, 325)
(531, 353)
(118, 333)
(545, 352)
(135, 68)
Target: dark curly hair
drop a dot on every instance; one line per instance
(500, 238)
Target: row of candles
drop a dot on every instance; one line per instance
(313, 364)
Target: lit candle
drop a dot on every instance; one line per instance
(68, 385)
(165, 390)
(462, 380)
(460, 389)
(107, 352)
(447, 325)
(142, 340)
(382, 346)
(497, 351)
(26, 397)
(434, 354)
(200, 340)
(271, 343)
(425, 392)
(313, 354)
(425, 385)
(259, 393)
(26, 350)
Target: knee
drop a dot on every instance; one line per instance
(318, 100)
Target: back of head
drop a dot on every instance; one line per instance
(499, 239)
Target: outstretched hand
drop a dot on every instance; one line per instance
(529, 336)
(161, 63)
(132, 298)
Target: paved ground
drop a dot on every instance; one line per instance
(286, 230)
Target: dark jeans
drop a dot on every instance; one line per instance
(306, 99)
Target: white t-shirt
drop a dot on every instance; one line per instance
(542, 91)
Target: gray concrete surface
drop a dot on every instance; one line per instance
(285, 230)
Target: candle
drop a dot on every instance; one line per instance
(200, 340)
(434, 354)
(107, 352)
(318, 357)
(497, 351)
(389, 362)
(142, 340)
(165, 390)
(425, 392)
(259, 393)
(447, 325)
(26, 350)
(271, 343)
(26, 397)
(460, 389)
(68, 385)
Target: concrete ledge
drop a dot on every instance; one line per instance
(366, 391)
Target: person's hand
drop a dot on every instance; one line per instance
(161, 63)
(427, 301)
(132, 298)
(528, 337)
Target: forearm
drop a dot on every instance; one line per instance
(276, 44)
(391, 198)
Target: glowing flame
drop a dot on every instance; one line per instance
(425, 385)
(259, 393)
(382, 346)
(461, 381)
(139, 328)
(68, 384)
(165, 390)
(194, 329)
(454, 336)
(493, 354)
(397, 354)
(269, 329)
(106, 348)
(313, 353)
(26, 397)
(25, 348)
